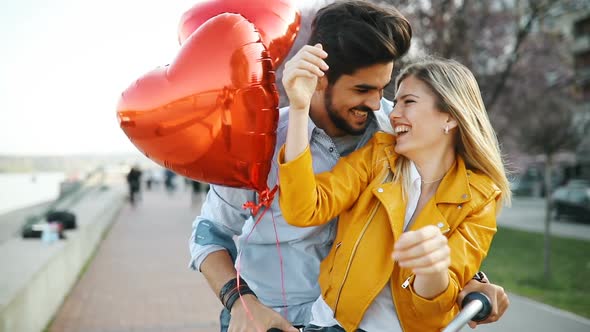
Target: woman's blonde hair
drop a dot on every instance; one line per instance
(458, 94)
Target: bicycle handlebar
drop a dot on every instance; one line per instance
(476, 306)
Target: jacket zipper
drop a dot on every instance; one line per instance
(358, 240)
(407, 282)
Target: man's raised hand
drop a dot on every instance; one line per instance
(301, 74)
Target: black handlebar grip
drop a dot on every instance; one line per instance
(485, 311)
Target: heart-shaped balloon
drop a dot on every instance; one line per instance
(277, 21)
(211, 115)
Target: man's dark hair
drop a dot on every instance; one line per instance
(358, 34)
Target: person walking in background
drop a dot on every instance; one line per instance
(150, 179)
(363, 41)
(197, 187)
(169, 181)
(134, 183)
(430, 192)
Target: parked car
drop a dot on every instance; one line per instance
(573, 200)
(532, 183)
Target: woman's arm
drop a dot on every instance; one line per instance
(466, 248)
(427, 253)
(307, 199)
(300, 79)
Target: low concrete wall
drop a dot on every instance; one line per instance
(35, 277)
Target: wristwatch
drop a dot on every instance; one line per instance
(481, 277)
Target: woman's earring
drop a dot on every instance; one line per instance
(446, 129)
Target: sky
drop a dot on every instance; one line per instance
(64, 64)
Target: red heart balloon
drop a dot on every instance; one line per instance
(211, 115)
(277, 21)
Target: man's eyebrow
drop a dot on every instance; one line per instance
(370, 87)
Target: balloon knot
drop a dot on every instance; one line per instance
(265, 199)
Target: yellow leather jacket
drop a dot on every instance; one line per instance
(371, 209)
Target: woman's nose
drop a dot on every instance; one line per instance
(395, 112)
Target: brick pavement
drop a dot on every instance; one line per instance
(139, 279)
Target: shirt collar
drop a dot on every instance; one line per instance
(311, 126)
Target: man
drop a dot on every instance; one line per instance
(346, 110)
(134, 183)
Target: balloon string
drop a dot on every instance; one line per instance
(265, 200)
(238, 268)
(281, 265)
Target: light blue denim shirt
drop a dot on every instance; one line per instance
(223, 220)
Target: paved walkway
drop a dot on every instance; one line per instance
(525, 315)
(139, 279)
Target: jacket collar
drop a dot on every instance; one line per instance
(454, 187)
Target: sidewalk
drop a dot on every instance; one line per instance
(525, 315)
(139, 279)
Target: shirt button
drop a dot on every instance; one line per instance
(459, 206)
(464, 196)
(331, 149)
(440, 225)
(380, 190)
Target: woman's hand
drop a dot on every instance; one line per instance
(301, 74)
(426, 252)
(495, 293)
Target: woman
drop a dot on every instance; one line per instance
(430, 192)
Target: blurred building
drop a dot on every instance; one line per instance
(572, 19)
(581, 59)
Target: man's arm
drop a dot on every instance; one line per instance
(221, 219)
(213, 252)
(218, 269)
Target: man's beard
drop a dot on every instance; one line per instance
(341, 122)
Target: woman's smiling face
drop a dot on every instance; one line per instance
(416, 119)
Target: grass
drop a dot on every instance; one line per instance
(515, 262)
